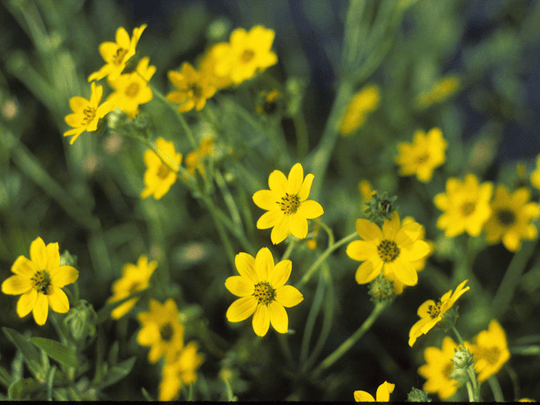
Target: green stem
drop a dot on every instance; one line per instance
(323, 257)
(329, 231)
(470, 391)
(312, 316)
(345, 346)
(495, 388)
(460, 339)
(289, 249)
(229, 200)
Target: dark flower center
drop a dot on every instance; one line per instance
(89, 114)
(491, 355)
(289, 204)
(163, 171)
(506, 217)
(388, 251)
(197, 90)
(434, 310)
(264, 293)
(42, 281)
(119, 55)
(247, 55)
(468, 208)
(132, 90)
(166, 332)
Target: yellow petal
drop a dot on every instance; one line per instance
(26, 302)
(423, 310)
(363, 396)
(239, 286)
(368, 230)
(404, 271)
(303, 194)
(41, 309)
(122, 38)
(148, 335)
(53, 256)
(361, 250)
(281, 230)
(58, 300)
(288, 296)
(281, 273)
(264, 264)
(64, 275)
(261, 320)
(310, 209)
(16, 285)
(278, 317)
(241, 309)
(278, 182)
(384, 391)
(77, 105)
(368, 270)
(391, 227)
(24, 267)
(38, 253)
(295, 179)
(266, 199)
(298, 226)
(270, 219)
(415, 331)
(245, 264)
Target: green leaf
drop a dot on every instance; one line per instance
(30, 353)
(22, 389)
(146, 395)
(117, 372)
(57, 351)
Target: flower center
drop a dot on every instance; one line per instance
(422, 158)
(491, 355)
(447, 370)
(89, 114)
(247, 55)
(119, 55)
(136, 286)
(163, 171)
(434, 310)
(506, 217)
(42, 281)
(197, 90)
(289, 204)
(388, 251)
(132, 90)
(468, 208)
(264, 293)
(166, 332)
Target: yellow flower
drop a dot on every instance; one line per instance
(195, 158)
(194, 88)
(511, 218)
(362, 103)
(490, 351)
(246, 54)
(269, 102)
(207, 66)
(382, 395)
(39, 281)
(423, 155)
(116, 54)
(535, 175)
(132, 89)
(134, 278)
(180, 372)
(262, 291)
(287, 204)
(431, 313)
(443, 88)
(465, 205)
(162, 330)
(366, 191)
(438, 368)
(391, 250)
(159, 177)
(86, 113)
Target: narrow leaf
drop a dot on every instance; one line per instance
(117, 372)
(57, 351)
(22, 389)
(30, 353)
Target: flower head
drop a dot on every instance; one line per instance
(207, 66)
(160, 176)
(360, 106)
(86, 113)
(194, 159)
(382, 395)
(180, 372)
(162, 330)
(511, 216)
(490, 351)
(287, 204)
(39, 281)
(132, 89)
(423, 155)
(134, 278)
(194, 88)
(391, 250)
(438, 369)
(116, 54)
(246, 54)
(431, 312)
(262, 291)
(443, 88)
(465, 205)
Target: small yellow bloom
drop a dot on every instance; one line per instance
(443, 88)
(511, 218)
(360, 106)
(162, 330)
(366, 191)
(207, 66)
(194, 88)
(465, 204)
(134, 278)
(490, 351)
(180, 372)
(438, 368)
(382, 395)
(116, 54)
(246, 54)
(391, 250)
(431, 313)
(86, 113)
(159, 177)
(423, 155)
(287, 204)
(535, 175)
(131, 89)
(39, 281)
(194, 159)
(262, 291)
(269, 102)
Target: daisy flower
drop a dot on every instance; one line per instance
(194, 88)
(180, 372)
(490, 351)
(159, 177)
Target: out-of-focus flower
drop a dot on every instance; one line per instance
(382, 395)
(194, 88)
(194, 159)
(442, 89)
(360, 106)
(180, 372)
(535, 175)
(159, 177)
(490, 351)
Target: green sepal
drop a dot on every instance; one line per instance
(58, 351)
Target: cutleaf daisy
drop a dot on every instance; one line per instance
(193, 88)
(490, 351)
(160, 176)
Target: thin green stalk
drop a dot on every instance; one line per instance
(495, 388)
(221, 231)
(312, 316)
(470, 391)
(289, 249)
(286, 349)
(323, 257)
(329, 231)
(229, 200)
(345, 346)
